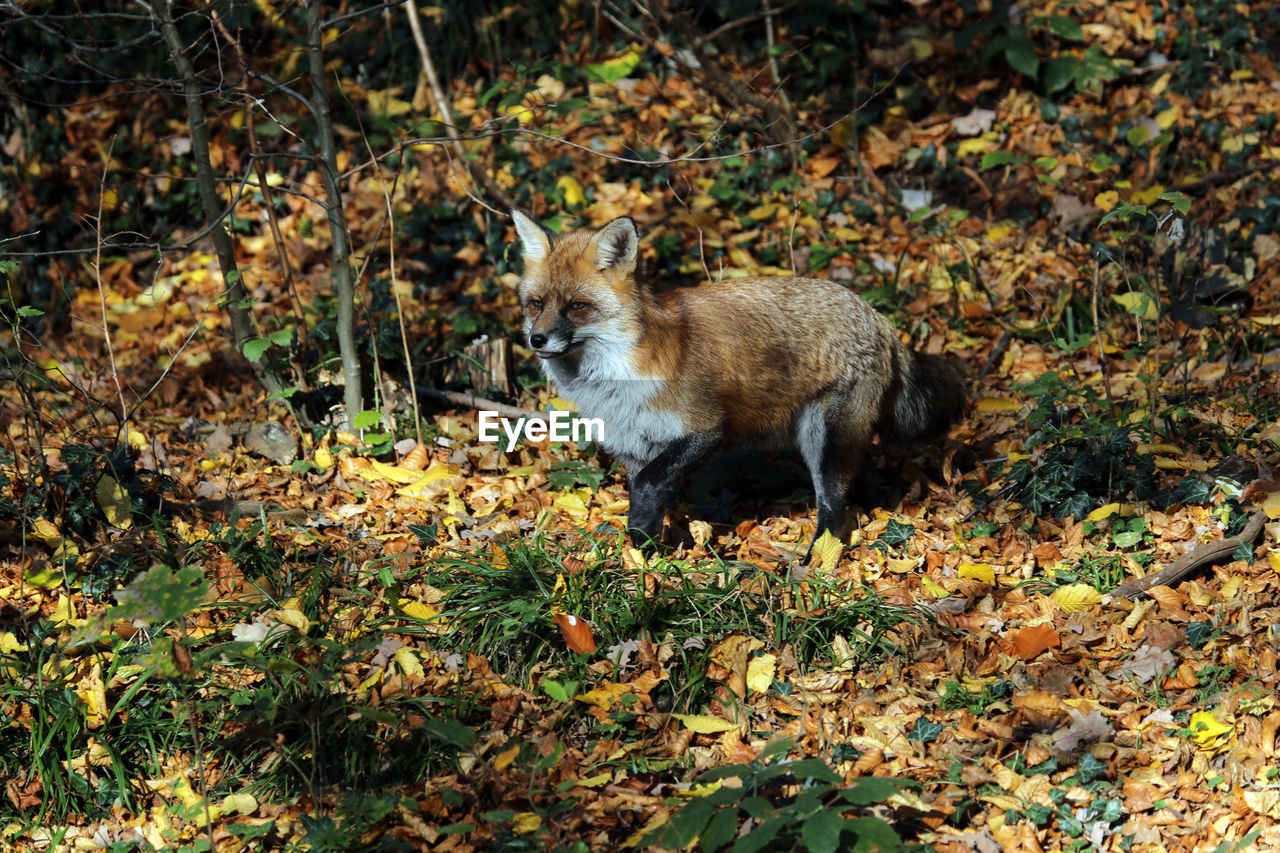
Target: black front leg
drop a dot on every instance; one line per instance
(652, 484)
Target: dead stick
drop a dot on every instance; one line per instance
(996, 352)
(456, 398)
(1213, 552)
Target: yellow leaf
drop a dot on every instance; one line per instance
(572, 504)
(1076, 597)
(93, 694)
(1206, 731)
(241, 803)
(63, 613)
(1106, 511)
(114, 501)
(594, 781)
(1167, 118)
(417, 609)
(503, 759)
(45, 576)
(932, 587)
(977, 144)
(1236, 144)
(605, 696)
(763, 212)
(573, 194)
(760, 673)
(526, 822)
(826, 552)
(408, 661)
(454, 505)
(996, 233)
(295, 619)
(1137, 303)
(523, 114)
(385, 104)
(1271, 506)
(1106, 200)
(996, 404)
(137, 440)
(977, 571)
(1149, 195)
(322, 458)
(705, 724)
(9, 643)
(395, 473)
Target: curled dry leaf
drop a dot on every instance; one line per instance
(577, 633)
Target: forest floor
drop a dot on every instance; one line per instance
(220, 628)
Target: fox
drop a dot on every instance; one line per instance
(755, 362)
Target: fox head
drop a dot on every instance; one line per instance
(579, 291)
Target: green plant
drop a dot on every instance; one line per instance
(956, 696)
(776, 804)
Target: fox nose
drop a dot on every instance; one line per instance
(538, 341)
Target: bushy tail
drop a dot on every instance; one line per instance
(931, 396)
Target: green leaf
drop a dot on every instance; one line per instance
(1023, 57)
(29, 311)
(1127, 538)
(1046, 163)
(1066, 28)
(450, 731)
(1059, 72)
(282, 337)
(1001, 158)
(616, 68)
(555, 690)
(720, 830)
(896, 533)
(821, 833)
(761, 836)
(367, 419)
(873, 834)
(870, 789)
(1138, 134)
(1181, 202)
(160, 596)
(812, 768)
(254, 348)
(924, 730)
(683, 826)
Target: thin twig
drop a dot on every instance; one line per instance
(395, 291)
(102, 295)
(456, 398)
(445, 111)
(277, 237)
(1097, 329)
(996, 352)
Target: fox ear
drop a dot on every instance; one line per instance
(617, 244)
(534, 239)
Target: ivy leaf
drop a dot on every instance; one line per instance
(896, 533)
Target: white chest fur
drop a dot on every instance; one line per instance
(605, 385)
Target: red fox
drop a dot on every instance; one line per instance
(746, 361)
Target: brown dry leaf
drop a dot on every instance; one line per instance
(1030, 642)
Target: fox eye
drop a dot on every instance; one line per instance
(535, 304)
(578, 305)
